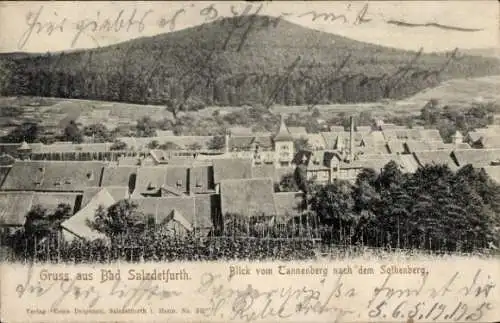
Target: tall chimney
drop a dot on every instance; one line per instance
(351, 133)
(226, 141)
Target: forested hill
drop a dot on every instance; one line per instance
(236, 61)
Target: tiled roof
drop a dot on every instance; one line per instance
(438, 157)
(330, 139)
(416, 145)
(477, 157)
(248, 197)
(396, 146)
(234, 168)
(178, 177)
(376, 136)
(162, 207)
(201, 179)
(374, 163)
(15, 205)
(53, 175)
(402, 134)
(378, 148)
(117, 192)
(206, 207)
(77, 224)
(264, 170)
(408, 163)
(430, 135)
(119, 176)
(150, 177)
(316, 140)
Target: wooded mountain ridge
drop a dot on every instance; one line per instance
(237, 61)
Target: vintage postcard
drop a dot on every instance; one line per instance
(250, 161)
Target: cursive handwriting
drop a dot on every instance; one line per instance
(251, 303)
(42, 21)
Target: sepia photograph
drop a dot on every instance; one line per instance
(236, 133)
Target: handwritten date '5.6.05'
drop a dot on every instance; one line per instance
(455, 300)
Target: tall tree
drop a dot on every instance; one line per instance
(72, 133)
(122, 219)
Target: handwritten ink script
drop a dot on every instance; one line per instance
(251, 292)
(43, 21)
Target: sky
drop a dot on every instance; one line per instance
(56, 26)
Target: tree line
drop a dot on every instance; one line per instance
(433, 208)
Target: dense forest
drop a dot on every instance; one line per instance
(234, 62)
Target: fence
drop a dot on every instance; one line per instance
(208, 249)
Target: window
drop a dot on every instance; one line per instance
(179, 183)
(67, 181)
(57, 183)
(198, 184)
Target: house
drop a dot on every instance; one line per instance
(14, 206)
(150, 179)
(477, 157)
(247, 197)
(232, 168)
(180, 214)
(117, 192)
(436, 158)
(77, 227)
(124, 176)
(53, 176)
(201, 179)
(407, 163)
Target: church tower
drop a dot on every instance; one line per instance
(284, 149)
